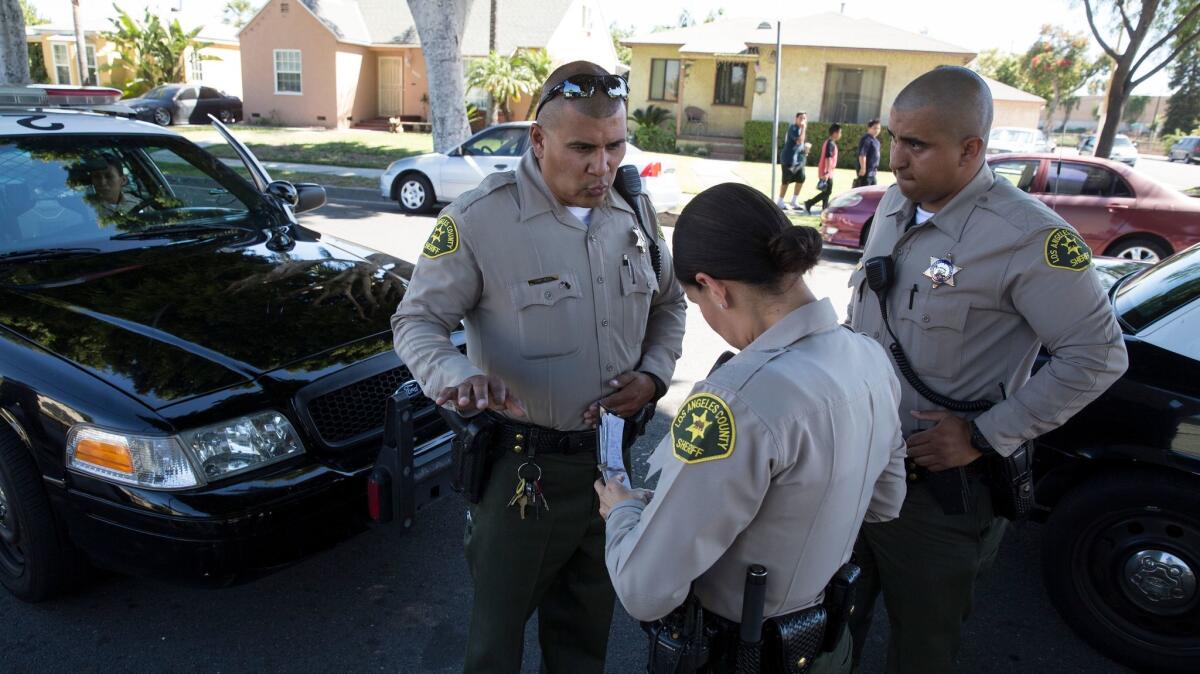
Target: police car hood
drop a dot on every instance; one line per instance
(177, 320)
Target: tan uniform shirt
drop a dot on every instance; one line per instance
(553, 307)
(775, 459)
(1023, 280)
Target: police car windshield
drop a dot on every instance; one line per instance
(68, 191)
(1160, 290)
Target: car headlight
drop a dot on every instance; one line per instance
(846, 201)
(189, 459)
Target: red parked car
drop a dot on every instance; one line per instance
(1118, 211)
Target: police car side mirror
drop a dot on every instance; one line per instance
(310, 196)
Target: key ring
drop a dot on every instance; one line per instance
(522, 467)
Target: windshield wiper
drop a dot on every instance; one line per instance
(167, 231)
(45, 253)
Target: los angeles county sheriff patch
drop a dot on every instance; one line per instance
(703, 430)
(443, 240)
(1066, 250)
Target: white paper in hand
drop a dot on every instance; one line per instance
(612, 463)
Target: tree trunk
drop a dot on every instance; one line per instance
(14, 53)
(80, 45)
(440, 25)
(1118, 91)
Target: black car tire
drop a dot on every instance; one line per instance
(162, 117)
(414, 193)
(1131, 247)
(36, 562)
(1097, 577)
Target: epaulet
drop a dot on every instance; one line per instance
(491, 183)
(734, 374)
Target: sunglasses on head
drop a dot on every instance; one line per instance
(586, 86)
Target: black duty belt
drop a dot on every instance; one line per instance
(917, 474)
(523, 438)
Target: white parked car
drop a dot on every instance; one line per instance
(418, 183)
(1005, 139)
(1123, 149)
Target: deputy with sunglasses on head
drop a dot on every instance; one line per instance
(570, 302)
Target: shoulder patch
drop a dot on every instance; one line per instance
(704, 429)
(443, 240)
(1066, 250)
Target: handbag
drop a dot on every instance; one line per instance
(823, 184)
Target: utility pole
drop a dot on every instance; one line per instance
(80, 45)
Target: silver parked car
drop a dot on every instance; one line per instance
(1004, 139)
(1123, 149)
(418, 183)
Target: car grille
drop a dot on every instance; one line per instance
(353, 411)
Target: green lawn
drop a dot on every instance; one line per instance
(336, 147)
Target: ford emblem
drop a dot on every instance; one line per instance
(411, 389)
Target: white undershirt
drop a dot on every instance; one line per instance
(923, 215)
(583, 214)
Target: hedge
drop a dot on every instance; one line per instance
(654, 139)
(756, 138)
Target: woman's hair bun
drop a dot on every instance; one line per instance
(795, 249)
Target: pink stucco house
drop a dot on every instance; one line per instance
(337, 63)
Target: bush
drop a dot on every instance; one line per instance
(756, 137)
(654, 139)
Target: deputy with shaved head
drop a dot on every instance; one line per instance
(964, 278)
(570, 302)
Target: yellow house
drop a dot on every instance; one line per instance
(220, 65)
(715, 77)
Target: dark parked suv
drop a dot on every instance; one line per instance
(191, 383)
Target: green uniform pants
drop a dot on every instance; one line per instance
(552, 562)
(926, 563)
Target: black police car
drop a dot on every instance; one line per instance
(1121, 482)
(192, 384)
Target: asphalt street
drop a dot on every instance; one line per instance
(398, 602)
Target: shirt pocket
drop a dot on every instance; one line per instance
(549, 316)
(935, 327)
(638, 285)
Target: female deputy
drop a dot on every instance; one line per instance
(779, 454)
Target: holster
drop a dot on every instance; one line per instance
(472, 452)
(839, 603)
(795, 640)
(1010, 479)
(635, 426)
(950, 488)
(680, 641)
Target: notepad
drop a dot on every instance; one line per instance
(610, 459)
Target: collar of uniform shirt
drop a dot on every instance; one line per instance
(536, 197)
(953, 216)
(807, 320)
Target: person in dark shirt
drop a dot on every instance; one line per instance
(868, 154)
(791, 160)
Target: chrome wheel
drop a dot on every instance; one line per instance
(162, 117)
(1140, 254)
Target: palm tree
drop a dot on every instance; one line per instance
(653, 115)
(152, 52)
(537, 66)
(503, 79)
(14, 53)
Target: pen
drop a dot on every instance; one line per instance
(625, 263)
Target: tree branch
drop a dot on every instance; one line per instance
(1170, 34)
(1087, 6)
(1124, 16)
(1183, 44)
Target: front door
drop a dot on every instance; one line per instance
(391, 86)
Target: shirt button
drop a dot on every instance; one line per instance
(599, 279)
(875, 335)
(609, 367)
(548, 294)
(925, 318)
(604, 323)
(592, 238)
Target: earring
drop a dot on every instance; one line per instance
(724, 306)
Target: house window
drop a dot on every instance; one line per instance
(664, 80)
(287, 71)
(853, 94)
(196, 65)
(731, 84)
(62, 63)
(89, 53)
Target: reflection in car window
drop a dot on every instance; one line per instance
(1019, 173)
(1159, 290)
(506, 142)
(64, 190)
(188, 94)
(209, 92)
(1088, 180)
